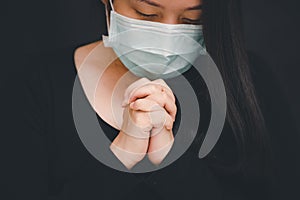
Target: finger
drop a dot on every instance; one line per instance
(141, 92)
(158, 115)
(164, 84)
(149, 89)
(158, 126)
(166, 121)
(136, 124)
(165, 102)
(135, 85)
(145, 105)
(169, 122)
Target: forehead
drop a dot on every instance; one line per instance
(167, 3)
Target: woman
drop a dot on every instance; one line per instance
(142, 97)
(235, 169)
(248, 125)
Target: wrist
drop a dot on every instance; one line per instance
(130, 143)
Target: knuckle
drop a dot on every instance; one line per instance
(163, 97)
(156, 86)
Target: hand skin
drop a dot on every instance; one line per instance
(129, 149)
(142, 101)
(157, 91)
(160, 145)
(131, 144)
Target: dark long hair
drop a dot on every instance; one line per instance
(224, 42)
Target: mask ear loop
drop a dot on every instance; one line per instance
(107, 18)
(109, 7)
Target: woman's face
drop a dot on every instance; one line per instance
(164, 11)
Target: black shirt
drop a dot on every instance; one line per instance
(45, 158)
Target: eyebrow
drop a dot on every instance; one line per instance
(151, 3)
(198, 7)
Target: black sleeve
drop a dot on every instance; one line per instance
(284, 136)
(23, 136)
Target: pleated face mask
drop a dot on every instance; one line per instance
(152, 49)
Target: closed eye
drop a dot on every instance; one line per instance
(192, 21)
(145, 15)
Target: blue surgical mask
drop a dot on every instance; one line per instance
(151, 49)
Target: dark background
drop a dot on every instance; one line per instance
(271, 31)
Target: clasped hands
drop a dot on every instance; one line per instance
(148, 117)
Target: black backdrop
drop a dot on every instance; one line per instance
(271, 29)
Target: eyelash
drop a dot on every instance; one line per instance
(145, 15)
(154, 15)
(193, 21)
